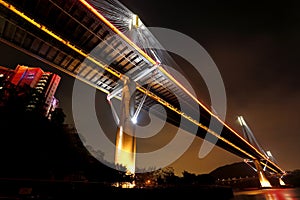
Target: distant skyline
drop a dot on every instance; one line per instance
(255, 48)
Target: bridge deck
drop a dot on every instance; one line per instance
(67, 35)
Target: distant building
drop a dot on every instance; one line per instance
(5, 75)
(52, 106)
(43, 93)
(24, 75)
(6, 72)
(43, 87)
(5, 85)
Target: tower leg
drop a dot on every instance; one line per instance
(281, 182)
(125, 138)
(261, 175)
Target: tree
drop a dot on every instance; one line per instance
(58, 116)
(165, 176)
(188, 178)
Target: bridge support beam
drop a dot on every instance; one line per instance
(264, 182)
(125, 138)
(281, 182)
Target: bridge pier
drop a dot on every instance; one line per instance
(125, 137)
(264, 182)
(281, 182)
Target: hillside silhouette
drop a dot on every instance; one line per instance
(239, 169)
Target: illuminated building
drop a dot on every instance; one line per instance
(6, 72)
(24, 75)
(43, 87)
(5, 75)
(52, 106)
(43, 94)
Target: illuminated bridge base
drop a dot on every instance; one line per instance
(264, 182)
(125, 138)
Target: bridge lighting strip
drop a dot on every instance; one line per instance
(163, 102)
(116, 30)
(65, 42)
(269, 167)
(119, 75)
(108, 23)
(54, 65)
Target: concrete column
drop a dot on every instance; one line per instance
(264, 182)
(125, 138)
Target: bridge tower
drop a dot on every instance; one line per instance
(248, 134)
(125, 138)
(264, 182)
(125, 152)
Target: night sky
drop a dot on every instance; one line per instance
(255, 47)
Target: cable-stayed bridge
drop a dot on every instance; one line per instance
(93, 42)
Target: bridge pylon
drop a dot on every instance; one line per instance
(125, 137)
(264, 182)
(249, 136)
